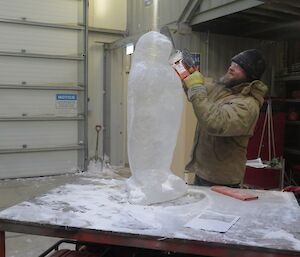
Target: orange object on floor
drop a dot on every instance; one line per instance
(234, 192)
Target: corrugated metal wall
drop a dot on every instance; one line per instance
(42, 83)
(215, 54)
(41, 57)
(215, 50)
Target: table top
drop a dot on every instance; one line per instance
(98, 203)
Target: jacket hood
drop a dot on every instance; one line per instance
(256, 88)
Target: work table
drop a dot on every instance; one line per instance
(94, 208)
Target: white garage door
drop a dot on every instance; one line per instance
(43, 83)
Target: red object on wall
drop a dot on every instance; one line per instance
(265, 178)
(293, 115)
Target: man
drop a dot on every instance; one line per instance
(227, 113)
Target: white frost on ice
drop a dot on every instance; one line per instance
(155, 103)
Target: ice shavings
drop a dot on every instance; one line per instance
(105, 206)
(283, 235)
(155, 104)
(97, 168)
(272, 211)
(102, 204)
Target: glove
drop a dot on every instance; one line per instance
(194, 80)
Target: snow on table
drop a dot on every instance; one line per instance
(101, 203)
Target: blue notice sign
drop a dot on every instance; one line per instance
(68, 97)
(66, 101)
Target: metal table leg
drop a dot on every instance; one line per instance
(2, 243)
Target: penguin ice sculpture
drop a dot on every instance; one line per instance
(155, 104)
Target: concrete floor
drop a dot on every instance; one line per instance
(17, 190)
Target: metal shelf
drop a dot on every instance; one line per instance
(288, 77)
(292, 100)
(296, 122)
(42, 24)
(292, 151)
(43, 56)
(41, 149)
(42, 118)
(41, 87)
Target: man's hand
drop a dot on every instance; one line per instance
(194, 80)
(193, 84)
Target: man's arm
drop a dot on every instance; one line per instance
(236, 118)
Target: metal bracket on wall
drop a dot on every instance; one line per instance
(41, 24)
(41, 87)
(43, 56)
(41, 149)
(42, 118)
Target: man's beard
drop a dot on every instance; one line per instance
(230, 81)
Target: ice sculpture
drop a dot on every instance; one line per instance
(155, 103)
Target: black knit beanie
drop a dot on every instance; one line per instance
(252, 62)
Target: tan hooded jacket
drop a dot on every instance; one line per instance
(226, 119)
